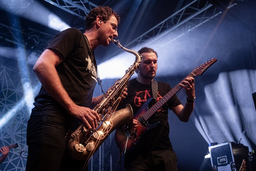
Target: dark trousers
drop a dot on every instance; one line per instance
(160, 160)
(47, 150)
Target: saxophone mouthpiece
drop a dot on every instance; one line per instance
(115, 41)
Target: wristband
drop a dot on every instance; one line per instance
(191, 100)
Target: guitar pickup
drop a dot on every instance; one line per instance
(142, 121)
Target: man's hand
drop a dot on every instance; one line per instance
(124, 93)
(134, 126)
(4, 150)
(189, 85)
(88, 116)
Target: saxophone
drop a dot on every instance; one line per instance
(83, 143)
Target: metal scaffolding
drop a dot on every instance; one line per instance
(78, 8)
(197, 11)
(30, 38)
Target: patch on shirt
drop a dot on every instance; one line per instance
(91, 68)
(142, 96)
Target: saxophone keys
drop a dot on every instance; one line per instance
(90, 146)
(98, 135)
(80, 148)
(106, 125)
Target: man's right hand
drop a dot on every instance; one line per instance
(88, 116)
(4, 150)
(134, 126)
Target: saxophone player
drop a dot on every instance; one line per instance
(67, 70)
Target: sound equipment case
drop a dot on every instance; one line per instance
(228, 156)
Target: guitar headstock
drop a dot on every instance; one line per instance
(13, 146)
(202, 68)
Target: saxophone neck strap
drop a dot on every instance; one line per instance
(154, 87)
(99, 82)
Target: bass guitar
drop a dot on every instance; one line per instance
(126, 139)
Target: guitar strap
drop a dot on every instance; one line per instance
(154, 87)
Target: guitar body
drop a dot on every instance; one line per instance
(126, 139)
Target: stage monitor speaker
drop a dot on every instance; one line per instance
(229, 156)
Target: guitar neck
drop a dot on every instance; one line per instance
(13, 146)
(197, 71)
(163, 100)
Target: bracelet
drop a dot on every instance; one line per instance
(191, 100)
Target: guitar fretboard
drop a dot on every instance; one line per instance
(163, 100)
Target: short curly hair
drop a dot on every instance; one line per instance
(104, 11)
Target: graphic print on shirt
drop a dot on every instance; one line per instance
(91, 68)
(142, 96)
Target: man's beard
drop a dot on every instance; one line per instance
(145, 76)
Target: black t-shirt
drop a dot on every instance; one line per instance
(158, 137)
(77, 72)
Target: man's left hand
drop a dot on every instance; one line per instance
(189, 85)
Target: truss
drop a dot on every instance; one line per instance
(199, 11)
(184, 20)
(189, 17)
(31, 38)
(78, 8)
(14, 131)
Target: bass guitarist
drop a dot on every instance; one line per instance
(153, 150)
